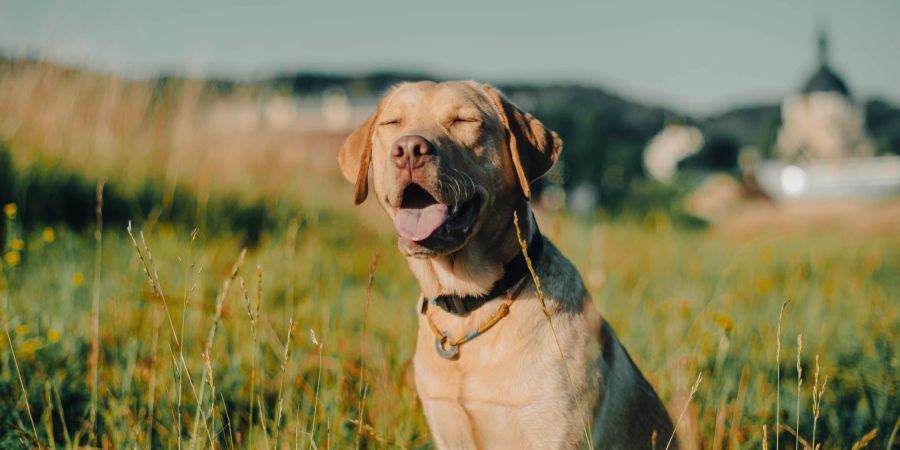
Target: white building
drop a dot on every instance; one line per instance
(822, 122)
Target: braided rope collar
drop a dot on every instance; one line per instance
(515, 273)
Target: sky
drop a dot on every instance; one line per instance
(700, 56)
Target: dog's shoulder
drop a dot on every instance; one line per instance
(560, 280)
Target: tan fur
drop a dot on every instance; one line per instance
(509, 387)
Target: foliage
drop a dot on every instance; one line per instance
(682, 302)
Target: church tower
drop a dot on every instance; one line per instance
(822, 122)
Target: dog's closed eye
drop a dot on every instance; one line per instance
(465, 119)
(389, 122)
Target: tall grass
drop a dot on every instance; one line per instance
(670, 329)
(185, 361)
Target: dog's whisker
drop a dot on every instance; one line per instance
(466, 180)
(460, 190)
(445, 185)
(452, 181)
(463, 181)
(456, 188)
(471, 181)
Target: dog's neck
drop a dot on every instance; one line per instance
(474, 269)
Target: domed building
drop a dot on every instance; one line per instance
(822, 122)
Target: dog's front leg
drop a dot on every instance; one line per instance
(449, 424)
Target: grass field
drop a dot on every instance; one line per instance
(179, 339)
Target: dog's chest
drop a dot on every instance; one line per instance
(507, 386)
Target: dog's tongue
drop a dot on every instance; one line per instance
(416, 224)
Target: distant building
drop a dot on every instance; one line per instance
(670, 146)
(822, 122)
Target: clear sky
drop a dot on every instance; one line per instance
(697, 55)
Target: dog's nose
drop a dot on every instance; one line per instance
(411, 151)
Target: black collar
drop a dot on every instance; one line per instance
(513, 272)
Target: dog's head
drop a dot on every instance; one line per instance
(449, 162)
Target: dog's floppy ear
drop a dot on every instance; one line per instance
(534, 148)
(356, 154)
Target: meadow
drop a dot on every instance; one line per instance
(227, 294)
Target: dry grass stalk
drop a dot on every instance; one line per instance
(188, 293)
(253, 314)
(211, 382)
(284, 364)
(220, 302)
(95, 314)
(48, 415)
(315, 417)
(719, 432)
(373, 434)
(262, 419)
(152, 400)
(297, 428)
(735, 432)
(156, 287)
(799, 384)
(12, 351)
(864, 441)
(585, 422)
(800, 441)
(817, 400)
(765, 439)
(778, 373)
(362, 349)
(62, 417)
(227, 421)
(890, 442)
(694, 388)
(327, 433)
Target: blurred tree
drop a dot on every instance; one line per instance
(720, 153)
(883, 125)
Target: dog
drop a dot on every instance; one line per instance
(498, 363)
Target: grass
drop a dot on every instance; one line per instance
(306, 344)
(682, 302)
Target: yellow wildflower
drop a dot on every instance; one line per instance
(12, 258)
(17, 244)
(21, 329)
(725, 322)
(53, 335)
(765, 285)
(49, 235)
(30, 346)
(10, 210)
(77, 278)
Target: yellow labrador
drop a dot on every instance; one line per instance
(451, 163)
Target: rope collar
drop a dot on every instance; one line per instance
(513, 272)
(449, 349)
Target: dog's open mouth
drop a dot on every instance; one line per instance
(422, 218)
